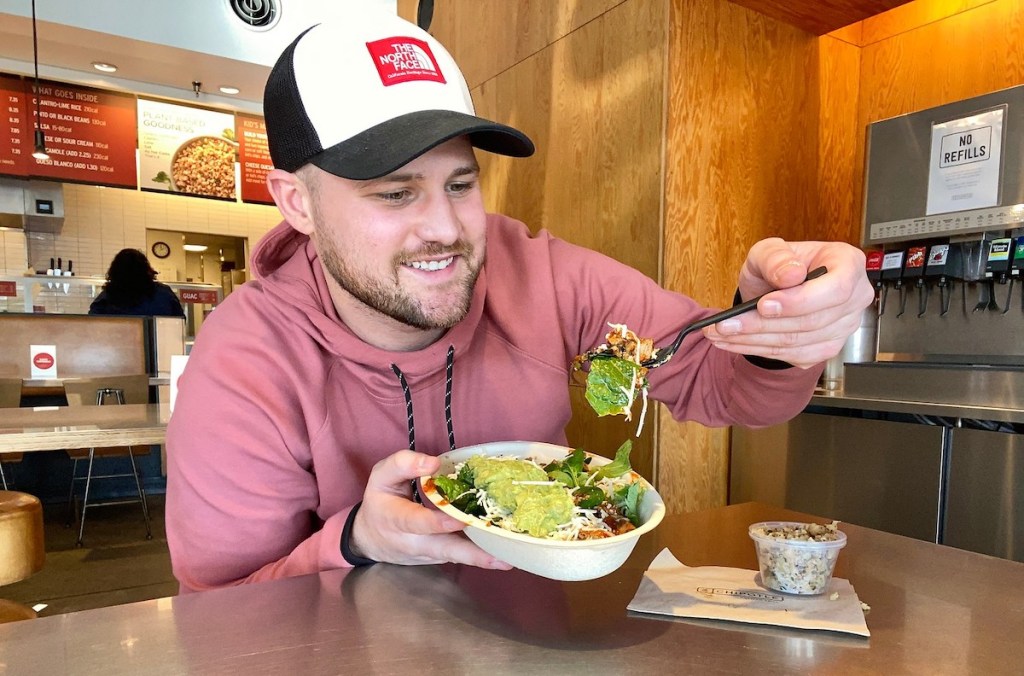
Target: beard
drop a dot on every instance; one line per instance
(388, 297)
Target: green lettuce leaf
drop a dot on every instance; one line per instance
(628, 499)
(459, 494)
(617, 467)
(606, 382)
(570, 470)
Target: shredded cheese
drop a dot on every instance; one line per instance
(643, 412)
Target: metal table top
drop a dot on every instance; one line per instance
(934, 610)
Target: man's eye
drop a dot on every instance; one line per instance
(461, 187)
(394, 196)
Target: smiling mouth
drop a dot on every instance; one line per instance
(431, 265)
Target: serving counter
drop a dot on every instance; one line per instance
(934, 610)
(930, 452)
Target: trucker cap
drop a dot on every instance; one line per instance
(361, 97)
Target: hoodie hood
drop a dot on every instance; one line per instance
(287, 270)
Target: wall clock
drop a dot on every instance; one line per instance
(161, 249)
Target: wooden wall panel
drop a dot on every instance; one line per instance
(87, 345)
(487, 37)
(819, 16)
(841, 143)
(741, 164)
(852, 34)
(912, 16)
(967, 54)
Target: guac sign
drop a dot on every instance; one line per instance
(198, 296)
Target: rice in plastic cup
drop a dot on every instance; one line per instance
(793, 560)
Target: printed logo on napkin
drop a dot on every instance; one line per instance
(44, 361)
(742, 593)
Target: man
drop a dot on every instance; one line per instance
(392, 319)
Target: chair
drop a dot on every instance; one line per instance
(22, 543)
(10, 397)
(107, 390)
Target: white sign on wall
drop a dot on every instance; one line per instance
(965, 163)
(44, 361)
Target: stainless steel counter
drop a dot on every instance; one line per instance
(974, 391)
(928, 451)
(841, 400)
(934, 610)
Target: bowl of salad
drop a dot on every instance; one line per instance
(553, 511)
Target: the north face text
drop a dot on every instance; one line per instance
(402, 59)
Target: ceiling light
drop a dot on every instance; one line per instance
(104, 67)
(199, 248)
(39, 152)
(229, 90)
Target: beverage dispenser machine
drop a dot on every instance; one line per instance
(948, 181)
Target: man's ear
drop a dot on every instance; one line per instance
(292, 199)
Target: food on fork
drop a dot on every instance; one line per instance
(615, 373)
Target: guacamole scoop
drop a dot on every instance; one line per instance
(537, 506)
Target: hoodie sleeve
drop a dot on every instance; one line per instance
(241, 489)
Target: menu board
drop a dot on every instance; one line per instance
(15, 145)
(90, 133)
(186, 150)
(253, 158)
(92, 136)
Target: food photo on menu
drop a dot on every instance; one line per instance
(187, 150)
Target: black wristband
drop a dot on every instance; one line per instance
(346, 540)
(761, 362)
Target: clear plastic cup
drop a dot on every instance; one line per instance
(794, 566)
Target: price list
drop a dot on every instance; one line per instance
(90, 134)
(16, 128)
(254, 158)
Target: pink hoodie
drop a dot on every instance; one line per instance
(283, 411)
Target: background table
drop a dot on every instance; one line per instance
(934, 610)
(51, 428)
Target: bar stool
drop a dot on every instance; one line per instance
(22, 550)
(109, 390)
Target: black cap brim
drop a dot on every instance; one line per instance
(382, 149)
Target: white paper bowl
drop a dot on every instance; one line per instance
(554, 559)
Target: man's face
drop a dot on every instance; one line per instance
(409, 245)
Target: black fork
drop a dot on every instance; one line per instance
(665, 353)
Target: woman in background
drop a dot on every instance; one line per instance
(132, 289)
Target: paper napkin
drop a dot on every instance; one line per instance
(712, 592)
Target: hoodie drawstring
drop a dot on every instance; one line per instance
(408, 406)
(449, 363)
(449, 367)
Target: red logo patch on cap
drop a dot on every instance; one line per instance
(402, 59)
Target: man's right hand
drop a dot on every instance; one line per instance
(390, 527)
